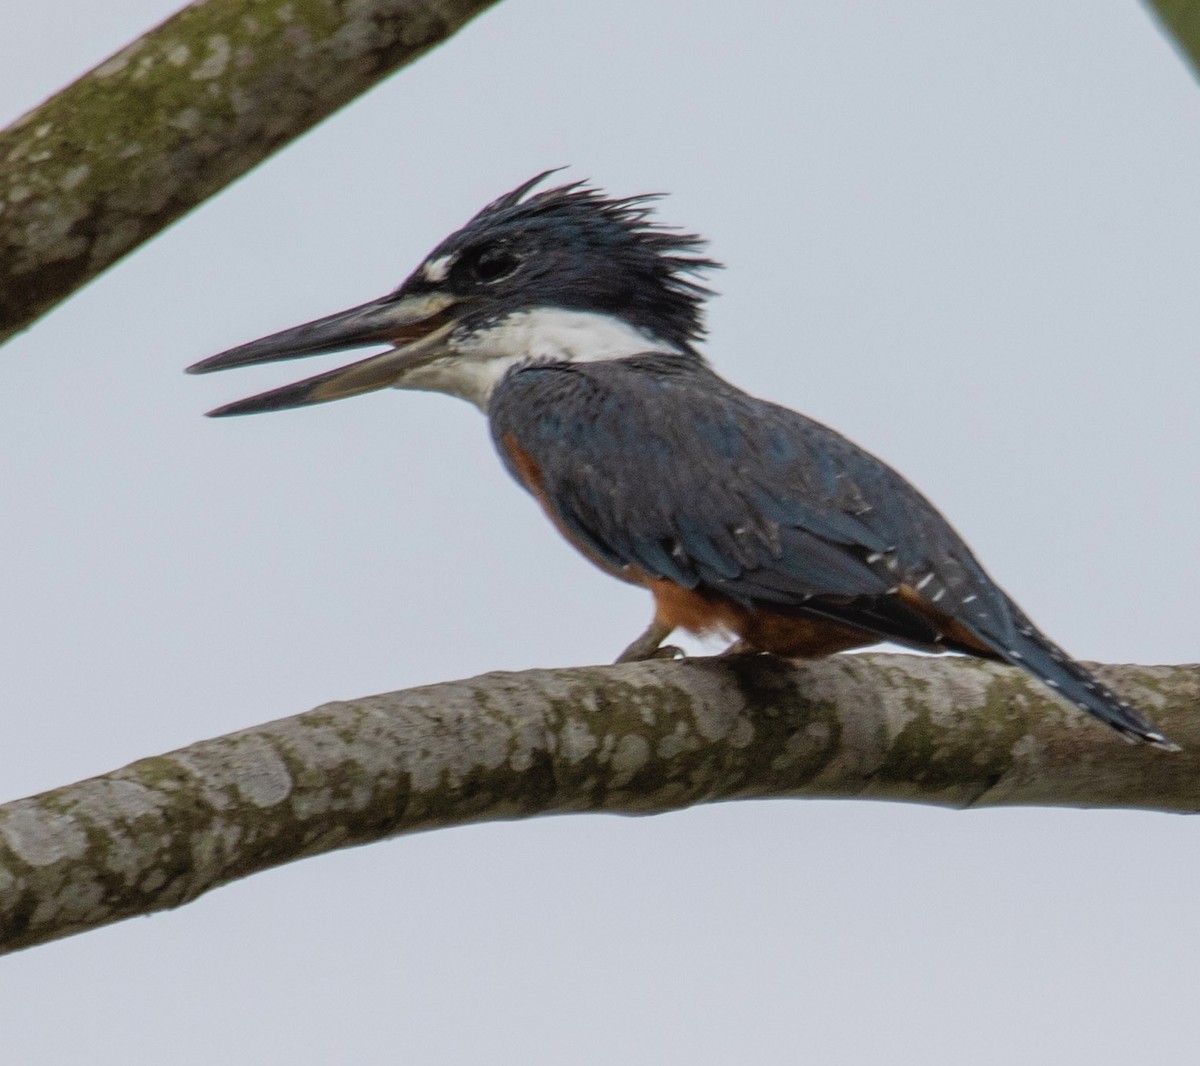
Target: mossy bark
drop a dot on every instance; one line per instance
(175, 117)
(1181, 20)
(633, 739)
(198, 101)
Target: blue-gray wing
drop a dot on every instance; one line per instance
(656, 463)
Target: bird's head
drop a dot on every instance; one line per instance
(563, 274)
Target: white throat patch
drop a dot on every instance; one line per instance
(474, 364)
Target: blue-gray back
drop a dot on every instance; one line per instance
(655, 462)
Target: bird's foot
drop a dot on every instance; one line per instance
(663, 651)
(650, 646)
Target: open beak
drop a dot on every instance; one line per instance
(416, 326)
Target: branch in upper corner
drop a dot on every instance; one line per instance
(175, 117)
(1181, 20)
(636, 739)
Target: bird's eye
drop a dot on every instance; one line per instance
(491, 263)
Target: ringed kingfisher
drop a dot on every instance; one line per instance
(571, 319)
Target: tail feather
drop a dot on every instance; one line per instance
(1052, 666)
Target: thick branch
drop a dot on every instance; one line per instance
(195, 103)
(1181, 20)
(178, 115)
(632, 739)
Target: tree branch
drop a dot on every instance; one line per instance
(634, 739)
(192, 105)
(1181, 20)
(177, 116)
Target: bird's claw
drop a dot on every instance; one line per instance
(650, 645)
(646, 655)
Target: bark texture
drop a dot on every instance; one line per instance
(1181, 20)
(183, 111)
(178, 115)
(634, 739)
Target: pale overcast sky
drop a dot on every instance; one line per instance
(965, 234)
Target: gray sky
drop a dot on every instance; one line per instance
(964, 234)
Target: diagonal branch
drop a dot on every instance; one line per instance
(195, 103)
(178, 115)
(634, 739)
(1181, 20)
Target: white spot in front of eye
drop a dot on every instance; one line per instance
(436, 270)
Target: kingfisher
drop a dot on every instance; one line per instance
(572, 320)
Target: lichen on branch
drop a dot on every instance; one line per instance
(634, 739)
(176, 116)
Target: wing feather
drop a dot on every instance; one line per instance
(658, 464)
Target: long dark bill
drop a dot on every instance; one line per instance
(415, 326)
